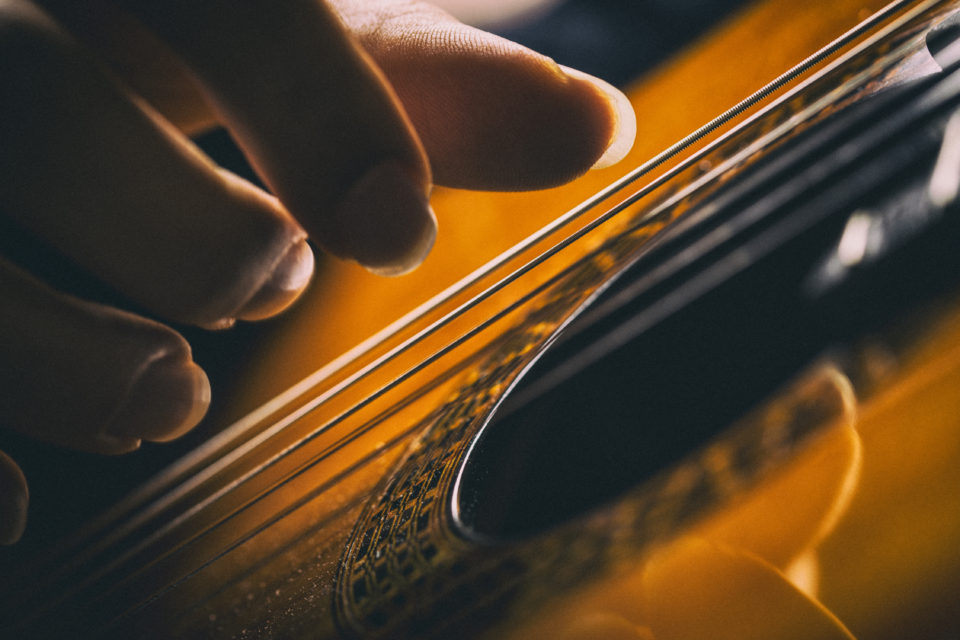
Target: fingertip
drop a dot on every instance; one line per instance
(167, 399)
(14, 499)
(418, 252)
(109, 445)
(623, 118)
(120, 378)
(283, 285)
(385, 221)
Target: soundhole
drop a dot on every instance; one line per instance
(648, 376)
(672, 354)
(942, 41)
(621, 396)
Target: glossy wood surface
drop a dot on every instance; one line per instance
(346, 304)
(886, 565)
(856, 537)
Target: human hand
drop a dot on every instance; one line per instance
(347, 119)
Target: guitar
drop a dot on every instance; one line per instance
(717, 398)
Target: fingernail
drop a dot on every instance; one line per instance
(109, 445)
(289, 277)
(386, 221)
(625, 120)
(14, 499)
(165, 401)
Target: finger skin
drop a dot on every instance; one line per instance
(89, 376)
(491, 114)
(107, 182)
(138, 57)
(314, 115)
(14, 499)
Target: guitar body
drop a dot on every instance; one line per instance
(720, 411)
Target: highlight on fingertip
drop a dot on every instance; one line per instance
(385, 222)
(414, 258)
(110, 445)
(625, 120)
(290, 276)
(167, 398)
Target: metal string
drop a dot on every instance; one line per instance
(461, 286)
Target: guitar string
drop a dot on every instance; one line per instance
(287, 478)
(418, 313)
(658, 160)
(703, 180)
(223, 439)
(772, 87)
(288, 509)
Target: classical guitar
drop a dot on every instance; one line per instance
(719, 397)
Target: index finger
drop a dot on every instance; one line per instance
(315, 116)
